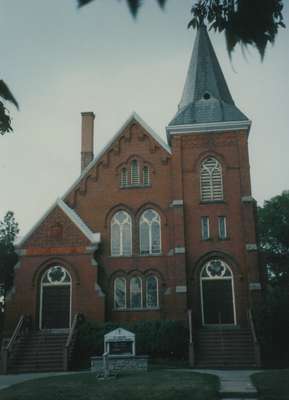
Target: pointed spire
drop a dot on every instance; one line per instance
(206, 97)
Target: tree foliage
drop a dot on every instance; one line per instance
(273, 229)
(8, 258)
(244, 22)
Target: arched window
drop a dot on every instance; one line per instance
(123, 177)
(120, 293)
(152, 292)
(121, 239)
(135, 292)
(211, 180)
(150, 233)
(146, 175)
(134, 172)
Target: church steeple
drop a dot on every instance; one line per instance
(206, 98)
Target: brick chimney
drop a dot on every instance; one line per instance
(87, 124)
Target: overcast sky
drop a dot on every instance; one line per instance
(59, 60)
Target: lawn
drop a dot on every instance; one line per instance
(153, 385)
(273, 384)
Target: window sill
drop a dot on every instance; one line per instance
(207, 240)
(224, 239)
(212, 202)
(138, 255)
(140, 186)
(136, 309)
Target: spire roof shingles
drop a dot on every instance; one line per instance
(206, 97)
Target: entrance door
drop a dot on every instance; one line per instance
(55, 299)
(217, 294)
(55, 307)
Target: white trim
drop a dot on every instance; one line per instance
(205, 218)
(131, 293)
(71, 214)
(156, 217)
(231, 278)
(93, 237)
(60, 284)
(248, 199)
(125, 293)
(180, 250)
(208, 127)
(225, 227)
(177, 203)
(181, 289)
(251, 247)
(133, 116)
(146, 292)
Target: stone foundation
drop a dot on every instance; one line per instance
(136, 363)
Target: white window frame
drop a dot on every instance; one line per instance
(224, 218)
(121, 249)
(114, 293)
(131, 292)
(210, 188)
(205, 218)
(150, 234)
(157, 281)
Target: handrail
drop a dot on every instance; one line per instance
(16, 332)
(72, 330)
(69, 340)
(255, 339)
(252, 326)
(22, 322)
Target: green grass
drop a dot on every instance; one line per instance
(153, 385)
(272, 384)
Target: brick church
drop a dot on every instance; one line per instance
(153, 230)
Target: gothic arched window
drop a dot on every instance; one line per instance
(150, 233)
(120, 293)
(136, 292)
(211, 180)
(152, 292)
(121, 238)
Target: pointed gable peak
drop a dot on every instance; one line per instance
(204, 76)
(206, 97)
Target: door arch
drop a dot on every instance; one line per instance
(55, 299)
(217, 293)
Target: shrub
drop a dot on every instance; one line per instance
(157, 339)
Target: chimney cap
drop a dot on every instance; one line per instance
(86, 113)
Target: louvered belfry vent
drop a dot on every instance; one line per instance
(211, 180)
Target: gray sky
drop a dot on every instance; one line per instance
(59, 61)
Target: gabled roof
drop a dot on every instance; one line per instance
(133, 117)
(94, 238)
(206, 97)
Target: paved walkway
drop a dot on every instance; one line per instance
(234, 383)
(9, 380)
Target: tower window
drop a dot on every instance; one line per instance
(205, 228)
(211, 180)
(222, 227)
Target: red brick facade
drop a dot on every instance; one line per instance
(174, 192)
